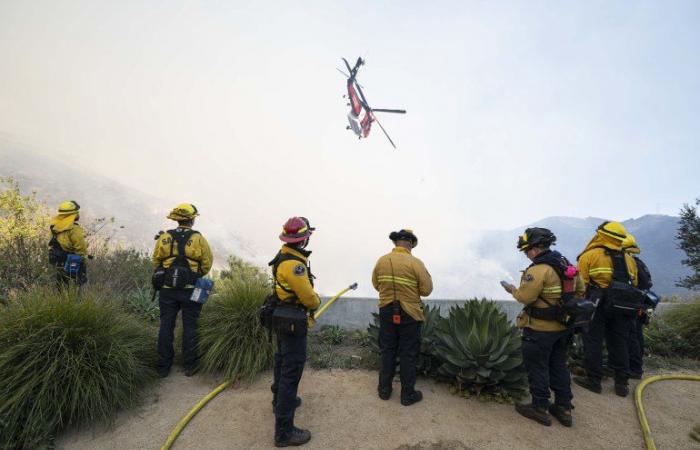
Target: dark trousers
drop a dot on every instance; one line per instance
(615, 329)
(171, 301)
(289, 365)
(545, 355)
(404, 340)
(636, 345)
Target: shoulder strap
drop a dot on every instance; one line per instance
(181, 238)
(620, 272)
(275, 263)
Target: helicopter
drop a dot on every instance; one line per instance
(358, 103)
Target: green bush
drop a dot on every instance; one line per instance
(231, 339)
(66, 360)
(685, 320)
(332, 334)
(480, 350)
(676, 333)
(24, 236)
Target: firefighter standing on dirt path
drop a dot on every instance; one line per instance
(67, 248)
(180, 257)
(294, 289)
(636, 339)
(545, 334)
(401, 279)
(604, 265)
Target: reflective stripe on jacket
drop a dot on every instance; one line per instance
(402, 274)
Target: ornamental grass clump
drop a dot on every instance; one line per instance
(480, 350)
(231, 338)
(65, 360)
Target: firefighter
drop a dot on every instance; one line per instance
(178, 271)
(293, 288)
(545, 335)
(601, 263)
(401, 279)
(67, 248)
(636, 339)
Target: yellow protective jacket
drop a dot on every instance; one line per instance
(70, 236)
(595, 266)
(400, 274)
(293, 275)
(539, 282)
(197, 252)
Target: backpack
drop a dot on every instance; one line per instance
(57, 256)
(579, 310)
(179, 274)
(621, 294)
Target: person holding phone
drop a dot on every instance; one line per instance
(543, 321)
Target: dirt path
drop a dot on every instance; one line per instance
(342, 411)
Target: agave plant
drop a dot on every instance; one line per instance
(480, 349)
(427, 364)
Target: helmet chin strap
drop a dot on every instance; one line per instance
(303, 243)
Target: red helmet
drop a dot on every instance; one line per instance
(296, 229)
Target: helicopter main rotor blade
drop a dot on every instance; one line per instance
(397, 111)
(385, 133)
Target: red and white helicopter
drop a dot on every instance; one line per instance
(362, 126)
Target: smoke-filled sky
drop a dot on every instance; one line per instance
(516, 111)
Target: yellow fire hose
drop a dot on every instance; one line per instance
(200, 404)
(640, 407)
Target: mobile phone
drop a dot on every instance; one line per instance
(505, 284)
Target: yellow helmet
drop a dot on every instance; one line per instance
(69, 207)
(613, 230)
(629, 244)
(183, 211)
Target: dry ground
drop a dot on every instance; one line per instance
(341, 409)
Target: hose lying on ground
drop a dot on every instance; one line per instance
(640, 407)
(186, 419)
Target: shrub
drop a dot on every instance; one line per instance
(140, 303)
(66, 360)
(24, 236)
(332, 334)
(685, 320)
(480, 349)
(676, 333)
(231, 339)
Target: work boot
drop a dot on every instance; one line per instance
(587, 383)
(622, 390)
(562, 414)
(296, 405)
(163, 373)
(384, 394)
(636, 375)
(296, 437)
(414, 397)
(539, 415)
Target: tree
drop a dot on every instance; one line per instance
(689, 241)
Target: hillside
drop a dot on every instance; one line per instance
(655, 234)
(138, 215)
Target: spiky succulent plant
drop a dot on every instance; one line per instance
(427, 362)
(480, 349)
